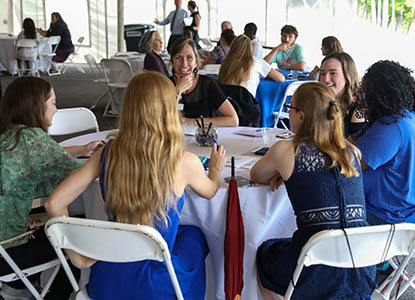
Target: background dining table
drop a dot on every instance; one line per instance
(266, 214)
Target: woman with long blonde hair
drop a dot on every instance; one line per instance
(240, 67)
(322, 175)
(143, 175)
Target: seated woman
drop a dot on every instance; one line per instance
(151, 44)
(143, 175)
(329, 45)
(240, 67)
(322, 175)
(200, 94)
(338, 71)
(59, 27)
(32, 165)
(222, 49)
(388, 145)
(28, 32)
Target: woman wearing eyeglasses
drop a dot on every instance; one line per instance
(388, 145)
(322, 175)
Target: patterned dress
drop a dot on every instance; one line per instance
(322, 198)
(32, 169)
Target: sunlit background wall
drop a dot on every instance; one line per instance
(361, 34)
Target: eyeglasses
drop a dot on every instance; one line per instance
(287, 107)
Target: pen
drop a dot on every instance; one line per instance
(203, 124)
(103, 142)
(198, 123)
(210, 125)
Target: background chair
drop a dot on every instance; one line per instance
(98, 240)
(70, 61)
(54, 42)
(291, 88)
(73, 120)
(32, 59)
(23, 274)
(369, 246)
(246, 106)
(100, 77)
(117, 73)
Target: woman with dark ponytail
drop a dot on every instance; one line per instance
(322, 175)
(194, 10)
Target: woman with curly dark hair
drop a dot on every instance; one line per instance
(388, 145)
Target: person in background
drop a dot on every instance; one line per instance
(240, 67)
(28, 32)
(176, 21)
(32, 165)
(338, 71)
(152, 45)
(222, 49)
(200, 94)
(194, 11)
(319, 165)
(388, 145)
(250, 31)
(59, 27)
(143, 175)
(329, 45)
(226, 25)
(288, 55)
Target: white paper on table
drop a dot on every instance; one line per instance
(189, 129)
(242, 162)
(255, 132)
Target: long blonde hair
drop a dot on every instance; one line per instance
(144, 158)
(323, 126)
(237, 64)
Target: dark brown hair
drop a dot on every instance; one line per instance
(29, 28)
(332, 44)
(24, 104)
(59, 19)
(288, 29)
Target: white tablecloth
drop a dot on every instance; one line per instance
(8, 53)
(266, 215)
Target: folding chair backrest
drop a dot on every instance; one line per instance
(79, 44)
(73, 120)
(117, 70)
(369, 245)
(99, 239)
(93, 65)
(30, 43)
(54, 40)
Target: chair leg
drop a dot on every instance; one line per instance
(97, 100)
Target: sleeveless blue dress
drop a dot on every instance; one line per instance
(149, 279)
(322, 198)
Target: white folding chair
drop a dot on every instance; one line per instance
(54, 42)
(117, 74)
(100, 78)
(291, 88)
(19, 274)
(100, 239)
(73, 120)
(369, 246)
(70, 61)
(32, 59)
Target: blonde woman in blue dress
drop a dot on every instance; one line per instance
(143, 175)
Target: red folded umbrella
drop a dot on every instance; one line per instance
(234, 243)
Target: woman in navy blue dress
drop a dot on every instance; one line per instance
(143, 174)
(323, 179)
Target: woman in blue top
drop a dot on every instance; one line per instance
(322, 176)
(144, 172)
(388, 145)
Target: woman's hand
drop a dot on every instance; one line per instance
(217, 158)
(275, 182)
(183, 83)
(91, 148)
